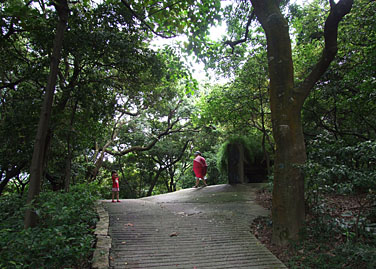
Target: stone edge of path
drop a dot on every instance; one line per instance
(103, 245)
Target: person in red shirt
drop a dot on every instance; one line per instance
(200, 168)
(115, 186)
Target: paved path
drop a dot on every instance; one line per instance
(192, 228)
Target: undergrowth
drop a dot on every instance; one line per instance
(325, 242)
(63, 237)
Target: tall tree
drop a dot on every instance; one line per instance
(19, 106)
(286, 101)
(40, 145)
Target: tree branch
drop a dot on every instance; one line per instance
(12, 85)
(145, 23)
(167, 166)
(337, 12)
(232, 44)
(166, 132)
(173, 4)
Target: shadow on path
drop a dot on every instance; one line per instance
(192, 228)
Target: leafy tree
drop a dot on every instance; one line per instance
(286, 101)
(111, 90)
(342, 103)
(287, 97)
(242, 106)
(40, 145)
(64, 232)
(20, 92)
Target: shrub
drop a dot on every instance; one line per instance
(252, 151)
(323, 246)
(63, 237)
(333, 166)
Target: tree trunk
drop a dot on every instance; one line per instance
(264, 133)
(68, 168)
(154, 181)
(288, 212)
(68, 161)
(36, 169)
(99, 161)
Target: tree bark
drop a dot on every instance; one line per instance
(155, 179)
(286, 101)
(68, 166)
(36, 169)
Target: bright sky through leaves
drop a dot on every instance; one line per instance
(215, 34)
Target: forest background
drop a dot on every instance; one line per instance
(120, 104)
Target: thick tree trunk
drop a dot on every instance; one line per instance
(288, 192)
(99, 161)
(286, 102)
(36, 169)
(288, 211)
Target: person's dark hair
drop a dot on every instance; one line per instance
(113, 172)
(197, 153)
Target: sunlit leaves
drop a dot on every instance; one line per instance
(344, 100)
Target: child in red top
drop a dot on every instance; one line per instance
(115, 186)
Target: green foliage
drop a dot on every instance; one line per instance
(187, 180)
(252, 151)
(343, 102)
(325, 244)
(322, 247)
(214, 175)
(334, 166)
(360, 255)
(63, 237)
(242, 106)
(107, 73)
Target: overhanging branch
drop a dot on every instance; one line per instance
(337, 12)
(145, 23)
(232, 44)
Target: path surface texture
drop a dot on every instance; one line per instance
(192, 228)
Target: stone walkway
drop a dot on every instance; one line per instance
(192, 228)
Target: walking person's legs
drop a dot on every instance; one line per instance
(197, 182)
